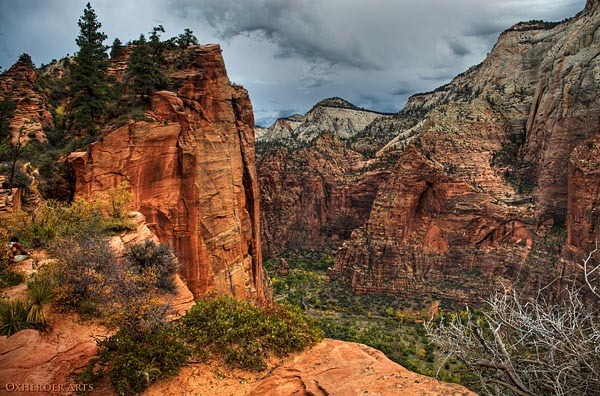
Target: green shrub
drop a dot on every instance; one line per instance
(13, 316)
(118, 200)
(159, 259)
(243, 333)
(9, 276)
(134, 360)
(82, 269)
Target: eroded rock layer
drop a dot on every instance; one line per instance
(314, 198)
(487, 176)
(192, 171)
(31, 113)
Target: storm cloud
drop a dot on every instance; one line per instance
(290, 54)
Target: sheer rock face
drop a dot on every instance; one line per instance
(565, 107)
(192, 171)
(487, 175)
(314, 198)
(31, 112)
(583, 225)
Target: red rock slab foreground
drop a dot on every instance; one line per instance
(338, 368)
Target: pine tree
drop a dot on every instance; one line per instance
(89, 88)
(144, 69)
(117, 49)
(26, 59)
(186, 39)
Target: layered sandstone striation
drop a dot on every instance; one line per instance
(315, 187)
(313, 198)
(31, 114)
(192, 171)
(505, 151)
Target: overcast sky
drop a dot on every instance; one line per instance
(290, 54)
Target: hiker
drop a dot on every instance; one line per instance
(15, 251)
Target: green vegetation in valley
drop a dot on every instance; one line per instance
(393, 325)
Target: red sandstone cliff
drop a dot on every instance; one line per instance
(478, 189)
(192, 171)
(584, 196)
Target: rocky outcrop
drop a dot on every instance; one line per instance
(332, 115)
(31, 114)
(192, 172)
(316, 184)
(42, 362)
(10, 198)
(281, 129)
(338, 368)
(332, 367)
(486, 174)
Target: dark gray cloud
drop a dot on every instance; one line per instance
(458, 47)
(290, 54)
(294, 26)
(403, 91)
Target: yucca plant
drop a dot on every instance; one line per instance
(41, 292)
(13, 316)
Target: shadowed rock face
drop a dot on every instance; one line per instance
(313, 198)
(505, 151)
(584, 196)
(192, 171)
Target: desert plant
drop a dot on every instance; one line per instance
(242, 333)
(133, 360)
(84, 269)
(13, 316)
(9, 276)
(118, 201)
(41, 292)
(150, 257)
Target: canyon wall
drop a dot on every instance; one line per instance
(192, 171)
(494, 169)
(314, 197)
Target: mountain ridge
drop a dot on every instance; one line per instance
(471, 175)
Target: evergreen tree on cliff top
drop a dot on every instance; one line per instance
(144, 66)
(89, 87)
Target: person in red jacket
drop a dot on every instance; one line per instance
(14, 251)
